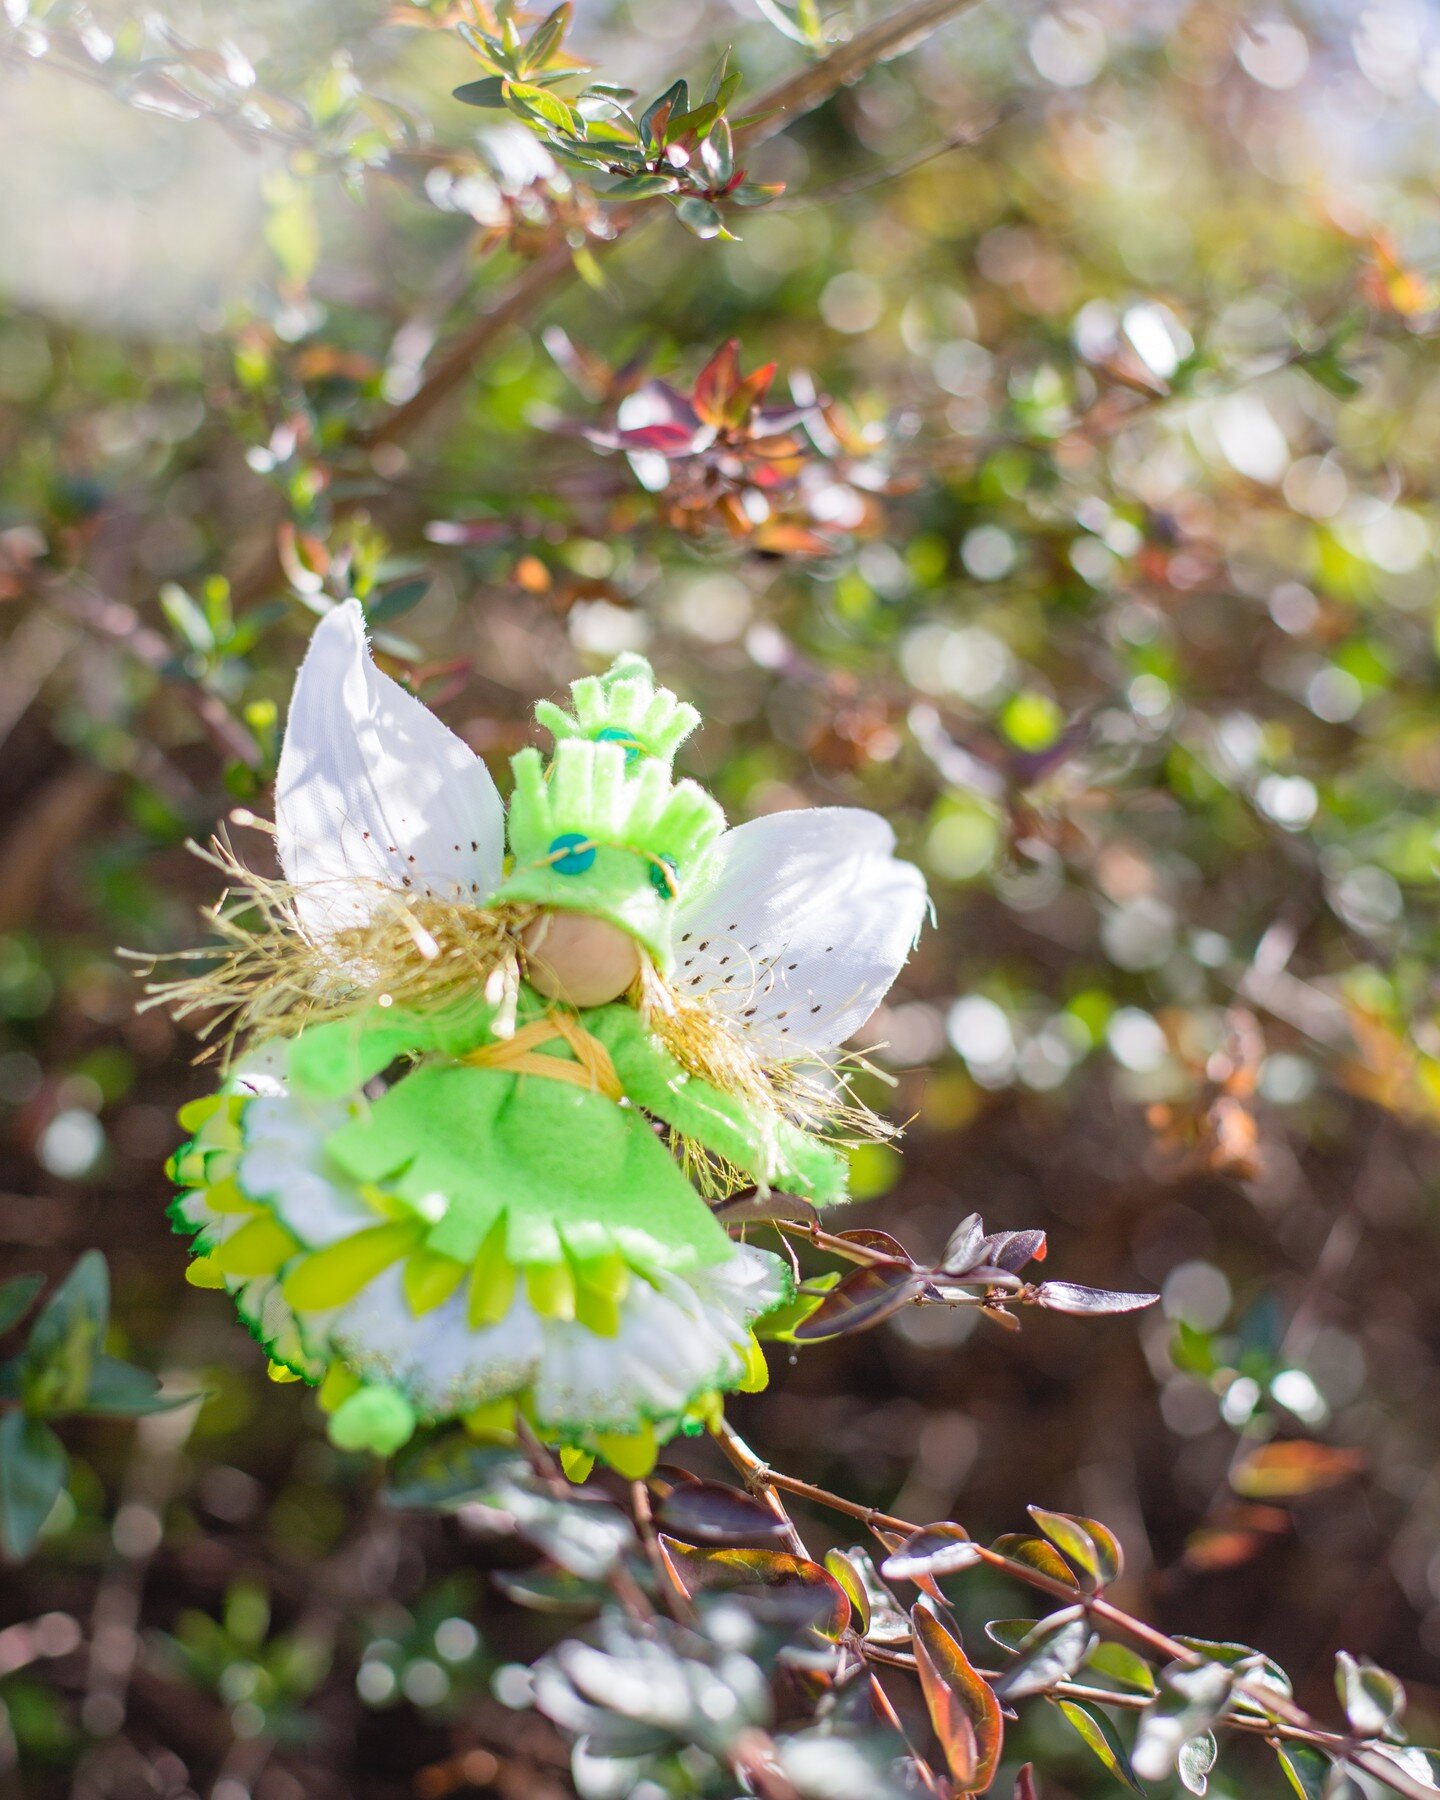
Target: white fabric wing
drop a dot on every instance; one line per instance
(808, 920)
(373, 792)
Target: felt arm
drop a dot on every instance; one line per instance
(774, 1152)
(337, 1058)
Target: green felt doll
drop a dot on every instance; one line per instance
(463, 1163)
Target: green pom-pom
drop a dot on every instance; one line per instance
(375, 1418)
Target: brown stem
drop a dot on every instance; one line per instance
(1293, 1721)
(776, 107)
(795, 95)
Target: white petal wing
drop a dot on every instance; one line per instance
(374, 792)
(808, 921)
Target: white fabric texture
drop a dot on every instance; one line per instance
(677, 1337)
(373, 792)
(807, 920)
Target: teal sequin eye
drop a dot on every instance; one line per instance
(572, 853)
(665, 877)
(616, 734)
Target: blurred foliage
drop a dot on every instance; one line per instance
(1080, 517)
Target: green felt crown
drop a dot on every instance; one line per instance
(623, 706)
(589, 833)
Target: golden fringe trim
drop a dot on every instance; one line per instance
(266, 978)
(807, 1090)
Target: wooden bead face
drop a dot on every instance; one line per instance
(580, 959)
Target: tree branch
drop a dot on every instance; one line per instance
(775, 108)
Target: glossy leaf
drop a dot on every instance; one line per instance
(931, 1553)
(1091, 1546)
(1049, 1653)
(866, 1297)
(1120, 1664)
(962, 1705)
(965, 1246)
(707, 1512)
(826, 1607)
(1102, 1739)
(1070, 1297)
(1306, 1769)
(488, 91)
(885, 1621)
(1373, 1699)
(1189, 1701)
(1035, 1553)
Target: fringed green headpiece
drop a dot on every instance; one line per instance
(624, 707)
(601, 828)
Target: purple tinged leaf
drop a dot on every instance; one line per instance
(965, 1247)
(1070, 1297)
(1011, 1250)
(767, 1209)
(936, 1550)
(866, 1297)
(707, 1512)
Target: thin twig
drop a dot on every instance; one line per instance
(1285, 1717)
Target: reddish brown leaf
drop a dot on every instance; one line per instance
(707, 1512)
(962, 1706)
(864, 1298)
(1291, 1468)
(1025, 1787)
(1035, 1553)
(716, 382)
(826, 1604)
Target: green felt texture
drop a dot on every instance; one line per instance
(625, 700)
(563, 1167)
(328, 1061)
(643, 826)
(769, 1149)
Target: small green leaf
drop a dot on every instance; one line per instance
(699, 216)
(1091, 1546)
(1101, 1737)
(15, 1297)
(1306, 1769)
(120, 1390)
(675, 99)
(32, 1474)
(187, 620)
(488, 92)
(394, 601)
(546, 39)
(1120, 1664)
(65, 1339)
(526, 98)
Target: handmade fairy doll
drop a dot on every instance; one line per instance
(461, 1165)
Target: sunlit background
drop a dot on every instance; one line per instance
(1110, 579)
